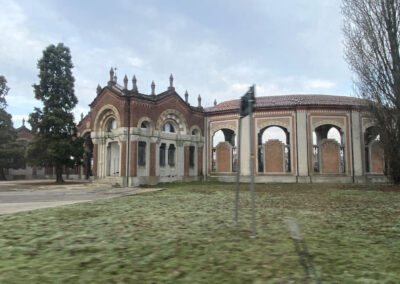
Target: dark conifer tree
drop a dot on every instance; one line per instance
(56, 142)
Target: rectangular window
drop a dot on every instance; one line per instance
(142, 154)
(171, 155)
(191, 156)
(162, 155)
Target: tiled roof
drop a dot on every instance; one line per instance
(291, 101)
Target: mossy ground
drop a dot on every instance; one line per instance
(186, 234)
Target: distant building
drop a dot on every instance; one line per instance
(134, 138)
(26, 172)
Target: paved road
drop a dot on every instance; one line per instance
(17, 196)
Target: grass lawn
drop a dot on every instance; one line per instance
(186, 234)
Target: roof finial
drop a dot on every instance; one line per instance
(111, 74)
(23, 122)
(153, 89)
(171, 82)
(199, 100)
(134, 85)
(186, 97)
(215, 102)
(115, 75)
(126, 82)
(81, 115)
(98, 90)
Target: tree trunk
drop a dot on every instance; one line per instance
(2, 175)
(59, 178)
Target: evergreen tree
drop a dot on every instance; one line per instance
(11, 152)
(56, 142)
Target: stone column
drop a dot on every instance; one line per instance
(301, 143)
(358, 148)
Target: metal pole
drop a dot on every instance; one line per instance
(238, 171)
(253, 210)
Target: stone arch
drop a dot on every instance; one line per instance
(174, 115)
(274, 155)
(221, 127)
(328, 153)
(328, 122)
(104, 114)
(277, 123)
(143, 119)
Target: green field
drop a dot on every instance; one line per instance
(186, 234)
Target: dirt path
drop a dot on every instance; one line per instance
(17, 196)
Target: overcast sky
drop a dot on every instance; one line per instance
(213, 48)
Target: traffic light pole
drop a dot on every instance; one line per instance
(238, 170)
(253, 210)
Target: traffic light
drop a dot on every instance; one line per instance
(247, 103)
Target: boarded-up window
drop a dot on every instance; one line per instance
(162, 155)
(142, 154)
(191, 156)
(171, 155)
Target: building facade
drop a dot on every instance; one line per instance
(136, 139)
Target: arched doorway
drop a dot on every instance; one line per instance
(224, 151)
(274, 150)
(328, 150)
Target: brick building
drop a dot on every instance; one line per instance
(135, 138)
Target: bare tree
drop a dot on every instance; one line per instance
(372, 37)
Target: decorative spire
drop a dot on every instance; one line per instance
(81, 115)
(153, 89)
(186, 97)
(134, 85)
(199, 100)
(215, 102)
(111, 74)
(171, 82)
(98, 90)
(23, 122)
(126, 82)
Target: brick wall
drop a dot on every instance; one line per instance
(273, 158)
(224, 157)
(330, 157)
